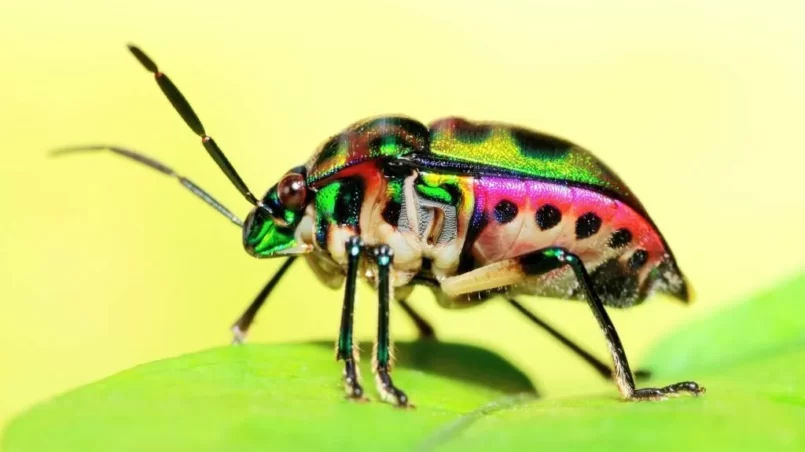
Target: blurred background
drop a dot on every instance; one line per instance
(105, 264)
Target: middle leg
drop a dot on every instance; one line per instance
(600, 367)
(345, 349)
(383, 255)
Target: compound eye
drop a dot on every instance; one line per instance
(292, 192)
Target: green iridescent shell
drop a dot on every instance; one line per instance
(459, 144)
(385, 137)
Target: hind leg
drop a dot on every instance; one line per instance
(513, 271)
(423, 327)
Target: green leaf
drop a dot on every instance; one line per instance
(262, 397)
(767, 324)
(751, 357)
(280, 397)
(760, 406)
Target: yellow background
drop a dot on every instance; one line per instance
(699, 106)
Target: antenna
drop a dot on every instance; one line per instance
(191, 119)
(148, 161)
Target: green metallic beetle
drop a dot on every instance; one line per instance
(471, 210)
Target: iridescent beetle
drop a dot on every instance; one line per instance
(472, 210)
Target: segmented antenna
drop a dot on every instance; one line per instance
(150, 162)
(191, 119)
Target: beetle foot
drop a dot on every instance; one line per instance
(389, 393)
(238, 335)
(352, 386)
(354, 391)
(646, 394)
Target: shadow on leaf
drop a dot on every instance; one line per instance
(456, 361)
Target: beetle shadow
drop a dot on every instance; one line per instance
(456, 361)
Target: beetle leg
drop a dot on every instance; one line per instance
(424, 328)
(552, 258)
(241, 326)
(513, 271)
(603, 369)
(383, 255)
(344, 347)
(599, 366)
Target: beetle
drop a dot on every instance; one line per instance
(473, 210)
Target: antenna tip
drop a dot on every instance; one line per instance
(147, 62)
(69, 150)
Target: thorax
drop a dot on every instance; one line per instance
(422, 216)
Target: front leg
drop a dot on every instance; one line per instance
(241, 326)
(344, 348)
(383, 255)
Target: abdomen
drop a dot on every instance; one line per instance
(624, 253)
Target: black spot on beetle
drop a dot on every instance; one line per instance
(620, 238)
(469, 132)
(538, 145)
(638, 259)
(348, 202)
(505, 211)
(391, 213)
(405, 134)
(388, 124)
(330, 149)
(548, 216)
(384, 140)
(587, 225)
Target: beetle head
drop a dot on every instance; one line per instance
(270, 228)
